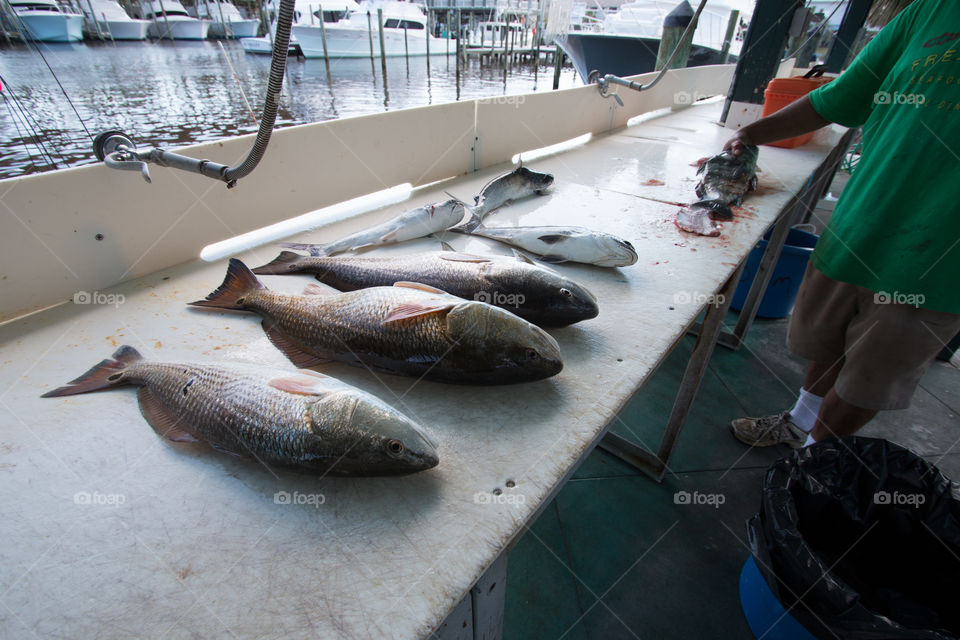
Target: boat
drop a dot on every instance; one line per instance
(629, 39)
(226, 21)
(404, 32)
(305, 12)
(107, 17)
(170, 20)
(45, 21)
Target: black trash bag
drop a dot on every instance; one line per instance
(860, 538)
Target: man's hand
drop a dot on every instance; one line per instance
(737, 143)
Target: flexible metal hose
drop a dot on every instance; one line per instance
(278, 64)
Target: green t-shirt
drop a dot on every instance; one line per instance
(896, 227)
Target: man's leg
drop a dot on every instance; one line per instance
(840, 418)
(821, 376)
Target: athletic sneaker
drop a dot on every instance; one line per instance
(769, 430)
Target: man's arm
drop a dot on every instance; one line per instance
(797, 118)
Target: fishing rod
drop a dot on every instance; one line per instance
(117, 150)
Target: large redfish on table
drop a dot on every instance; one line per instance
(408, 329)
(299, 419)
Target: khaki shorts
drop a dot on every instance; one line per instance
(885, 347)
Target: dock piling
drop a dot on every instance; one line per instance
(326, 54)
(383, 52)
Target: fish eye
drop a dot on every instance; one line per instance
(395, 447)
(566, 293)
(532, 354)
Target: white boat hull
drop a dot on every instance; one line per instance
(263, 46)
(125, 29)
(180, 28)
(235, 29)
(55, 27)
(348, 42)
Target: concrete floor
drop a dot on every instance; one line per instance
(615, 555)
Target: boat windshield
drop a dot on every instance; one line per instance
(36, 7)
(394, 23)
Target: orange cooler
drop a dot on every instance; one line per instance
(781, 92)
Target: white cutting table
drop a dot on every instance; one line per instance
(111, 532)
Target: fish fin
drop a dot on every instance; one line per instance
(420, 286)
(473, 223)
(163, 420)
(523, 257)
(463, 257)
(304, 382)
(718, 210)
(519, 163)
(459, 201)
(552, 238)
(446, 246)
(316, 250)
(552, 259)
(316, 289)
(286, 262)
(294, 352)
(387, 238)
(104, 375)
(417, 309)
(237, 284)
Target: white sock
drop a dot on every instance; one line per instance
(804, 413)
(809, 441)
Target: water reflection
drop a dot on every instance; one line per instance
(172, 94)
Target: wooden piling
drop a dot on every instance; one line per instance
(383, 52)
(326, 54)
(728, 37)
(674, 26)
(373, 67)
(557, 63)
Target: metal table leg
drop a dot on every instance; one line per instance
(656, 464)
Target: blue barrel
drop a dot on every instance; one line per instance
(787, 274)
(764, 613)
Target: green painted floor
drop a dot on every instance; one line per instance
(615, 556)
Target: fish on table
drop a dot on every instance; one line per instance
(534, 293)
(408, 329)
(724, 180)
(517, 184)
(554, 244)
(299, 419)
(409, 225)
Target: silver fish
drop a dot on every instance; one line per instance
(534, 293)
(415, 223)
(300, 419)
(519, 183)
(559, 244)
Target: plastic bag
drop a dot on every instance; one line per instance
(860, 538)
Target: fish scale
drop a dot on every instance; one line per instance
(407, 329)
(299, 419)
(530, 291)
(230, 406)
(328, 324)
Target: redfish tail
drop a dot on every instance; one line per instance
(108, 373)
(286, 262)
(238, 283)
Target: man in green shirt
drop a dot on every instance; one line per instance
(881, 294)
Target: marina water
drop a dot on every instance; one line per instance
(174, 94)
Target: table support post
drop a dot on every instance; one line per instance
(479, 616)
(655, 465)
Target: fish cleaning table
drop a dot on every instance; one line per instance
(110, 531)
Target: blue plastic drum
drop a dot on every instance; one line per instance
(765, 615)
(787, 274)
